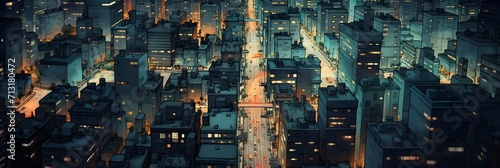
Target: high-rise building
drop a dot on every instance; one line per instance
(411, 10)
(481, 132)
(390, 27)
(472, 46)
(488, 20)
(123, 37)
(438, 27)
(33, 133)
(450, 6)
(330, 16)
(490, 79)
(106, 13)
(404, 78)
(66, 144)
(337, 121)
(391, 144)
(359, 55)
(10, 45)
(209, 19)
(370, 96)
(72, 10)
(430, 109)
(468, 10)
(94, 114)
(297, 125)
(175, 128)
(162, 40)
(277, 23)
(219, 126)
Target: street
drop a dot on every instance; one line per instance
(326, 68)
(258, 146)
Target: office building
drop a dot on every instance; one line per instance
(472, 46)
(72, 10)
(106, 13)
(481, 133)
(10, 44)
(292, 71)
(229, 68)
(370, 96)
(488, 20)
(217, 155)
(337, 121)
(298, 134)
(390, 27)
(404, 78)
(277, 23)
(66, 144)
(411, 10)
(209, 19)
(426, 111)
(283, 45)
(179, 17)
(174, 130)
(188, 31)
(224, 94)
(123, 37)
(330, 16)
(489, 79)
(31, 135)
(438, 26)
(447, 64)
(205, 53)
(391, 144)
(359, 55)
(94, 114)
(410, 51)
(298, 50)
(98, 90)
(60, 100)
(135, 153)
(61, 68)
(162, 40)
(332, 46)
(468, 10)
(219, 126)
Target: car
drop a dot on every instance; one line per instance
(255, 128)
(265, 158)
(258, 140)
(254, 134)
(329, 79)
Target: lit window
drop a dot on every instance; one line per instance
(298, 143)
(67, 159)
(388, 158)
(347, 137)
(291, 150)
(311, 143)
(293, 159)
(209, 135)
(455, 149)
(271, 75)
(409, 158)
(169, 146)
(316, 150)
(162, 135)
(431, 162)
(331, 144)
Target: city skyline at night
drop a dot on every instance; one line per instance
(249, 83)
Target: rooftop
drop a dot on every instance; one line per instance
(91, 106)
(131, 54)
(417, 74)
(218, 152)
(154, 80)
(77, 143)
(221, 119)
(29, 126)
(169, 161)
(393, 135)
(296, 115)
(439, 93)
